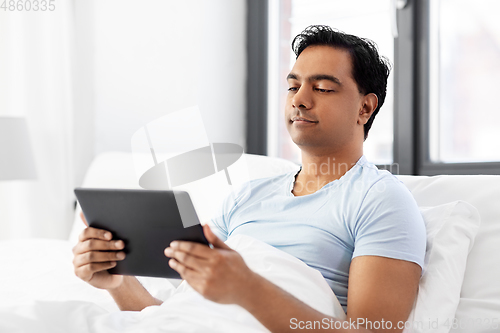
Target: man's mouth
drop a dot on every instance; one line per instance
(300, 119)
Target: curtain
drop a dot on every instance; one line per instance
(37, 67)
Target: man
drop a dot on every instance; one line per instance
(357, 225)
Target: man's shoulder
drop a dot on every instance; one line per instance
(372, 185)
(369, 177)
(384, 190)
(262, 185)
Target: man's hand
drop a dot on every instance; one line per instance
(219, 274)
(94, 254)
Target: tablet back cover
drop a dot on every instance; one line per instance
(147, 221)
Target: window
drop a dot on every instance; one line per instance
(457, 44)
(464, 77)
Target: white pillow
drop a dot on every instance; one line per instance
(451, 229)
(477, 315)
(483, 264)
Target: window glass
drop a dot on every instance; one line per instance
(364, 18)
(464, 80)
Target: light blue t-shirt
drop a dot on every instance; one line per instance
(365, 212)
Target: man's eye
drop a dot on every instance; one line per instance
(323, 90)
(292, 89)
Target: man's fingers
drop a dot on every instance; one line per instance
(97, 257)
(214, 240)
(194, 249)
(190, 261)
(83, 219)
(185, 272)
(195, 279)
(200, 250)
(86, 272)
(90, 232)
(98, 245)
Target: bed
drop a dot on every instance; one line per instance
(459, 290)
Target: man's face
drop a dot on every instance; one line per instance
(322, 90)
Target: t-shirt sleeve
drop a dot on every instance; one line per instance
(219, 223)
(389, 224)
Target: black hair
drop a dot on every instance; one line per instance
(369, 70)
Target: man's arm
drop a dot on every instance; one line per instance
(279, 311)
(132, 296)
(382, 289)
(380, 297)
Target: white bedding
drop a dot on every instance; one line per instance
(39, 293)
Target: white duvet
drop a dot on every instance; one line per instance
(39, 293)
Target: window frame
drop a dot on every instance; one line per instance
(256, 90)
(411, 151)
(423, 163)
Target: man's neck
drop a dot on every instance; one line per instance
(319, 170)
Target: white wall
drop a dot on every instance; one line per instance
(37, 57)
(154, 57)
(89, 74)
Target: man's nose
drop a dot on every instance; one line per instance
(302, 99)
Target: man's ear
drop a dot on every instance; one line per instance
(370, 102)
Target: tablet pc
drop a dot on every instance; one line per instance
(147, 221)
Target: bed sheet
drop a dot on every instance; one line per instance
(39, 293)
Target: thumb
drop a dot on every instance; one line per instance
(83, 219)
(214, 240)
